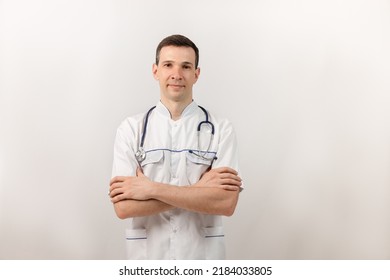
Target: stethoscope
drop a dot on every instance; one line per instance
(141, 154)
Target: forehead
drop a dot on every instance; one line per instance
(177, 54)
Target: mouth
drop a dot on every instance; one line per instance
(175, 86)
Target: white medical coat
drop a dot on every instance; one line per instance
(177, 233)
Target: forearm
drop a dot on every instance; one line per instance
(216, 193)
(206, 200)
(136, 208)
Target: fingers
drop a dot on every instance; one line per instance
(231, 182)
(118, 198)
(231, 177)
(122, 187)
(222, 177)
(115, 189)
(115, 194)
(115, 186)
(231, 188)
(225, 170)
(115, 183)
(117, 179)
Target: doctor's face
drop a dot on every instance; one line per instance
(176, 73)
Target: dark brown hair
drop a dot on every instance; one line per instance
(177, 41)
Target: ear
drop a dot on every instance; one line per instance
(154, 71)
(197, 73)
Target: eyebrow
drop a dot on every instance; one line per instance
(183, 63)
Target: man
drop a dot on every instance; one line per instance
(175, 167)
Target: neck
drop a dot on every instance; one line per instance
(175, 108)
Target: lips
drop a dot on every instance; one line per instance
(175, 86)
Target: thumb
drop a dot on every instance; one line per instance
(139, 172)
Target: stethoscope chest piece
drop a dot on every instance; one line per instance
(140, 154)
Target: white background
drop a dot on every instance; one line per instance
(305, 83)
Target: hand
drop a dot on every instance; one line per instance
(130, 187)
(222, 177)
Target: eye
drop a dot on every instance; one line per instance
(168, 65)
(186, 67)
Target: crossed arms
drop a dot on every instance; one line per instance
(216, 193)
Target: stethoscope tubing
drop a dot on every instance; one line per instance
(140, 154)
(206, 121)
(145, 126)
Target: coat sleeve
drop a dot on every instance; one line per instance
(124, 161)
(227, 152)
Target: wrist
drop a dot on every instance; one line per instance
(155, 190)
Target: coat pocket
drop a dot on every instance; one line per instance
(215, 243)
(136, 244)
(153, 157)
(196, 166)
(153, 165)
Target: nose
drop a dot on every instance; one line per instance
(176, 73)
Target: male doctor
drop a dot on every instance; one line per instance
(175, 168)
